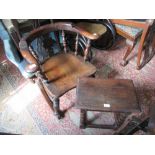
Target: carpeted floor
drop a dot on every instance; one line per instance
(23, 110)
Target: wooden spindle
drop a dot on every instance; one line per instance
(33, 53)
(64, 41)
(56, 34)
(76, 44)
(87, 49)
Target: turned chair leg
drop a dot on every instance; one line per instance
(140, 49)
(130, 46)
(82, 119)
(56, 107)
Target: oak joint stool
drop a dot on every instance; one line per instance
(105, 95)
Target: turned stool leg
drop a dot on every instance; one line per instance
(56, 107)
(82, 119)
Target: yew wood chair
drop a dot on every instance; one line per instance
(59, 73)
(131, 30)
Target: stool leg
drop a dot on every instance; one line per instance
(82, 119)
(117, 122)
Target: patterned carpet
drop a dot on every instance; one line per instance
(23, 110)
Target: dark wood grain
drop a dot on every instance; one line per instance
(117, 96)
(106, 95)
(63, 70)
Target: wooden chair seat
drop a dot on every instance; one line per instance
(63, 70)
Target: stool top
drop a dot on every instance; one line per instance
(107, 95)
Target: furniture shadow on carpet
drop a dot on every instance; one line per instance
(106, 72)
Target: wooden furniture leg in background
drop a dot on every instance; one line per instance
(130, 46)
(140, 48)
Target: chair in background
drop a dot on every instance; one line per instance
(59, 73)
(18, 27)
(132, 30)
(12, 30)
(11, 51)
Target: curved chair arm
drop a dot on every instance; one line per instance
(56, 27)
(26, 40)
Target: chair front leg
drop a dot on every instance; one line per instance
(56, 107)
(44, 93)
(130, 45)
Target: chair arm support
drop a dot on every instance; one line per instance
(33, 64)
